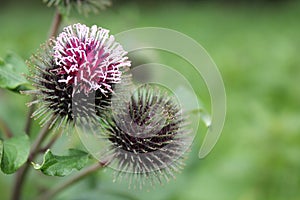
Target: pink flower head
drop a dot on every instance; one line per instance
(89, 58)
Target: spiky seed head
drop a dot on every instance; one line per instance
(75, 73)
(148, 137)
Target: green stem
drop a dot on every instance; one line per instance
(38, 142)
(29, 117)
(22, 172)
(51, 142)
(82, 174)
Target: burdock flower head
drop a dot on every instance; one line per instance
(147, 137)
(75, 73)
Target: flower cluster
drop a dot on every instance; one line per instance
(84, 73)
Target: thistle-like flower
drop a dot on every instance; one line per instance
(147, 136)
(82, 6)
(75, 73)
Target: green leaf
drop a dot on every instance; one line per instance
(15, 152)
(54, 165)
(12, 68)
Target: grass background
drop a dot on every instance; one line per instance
(256, 47)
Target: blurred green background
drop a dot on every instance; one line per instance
(256, 46)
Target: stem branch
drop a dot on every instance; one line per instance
(82, 174)
(22, 172)
(51, 142)
(29, 118)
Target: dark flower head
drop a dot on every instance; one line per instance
(148, 136)
(82, 6)
(75, 73)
